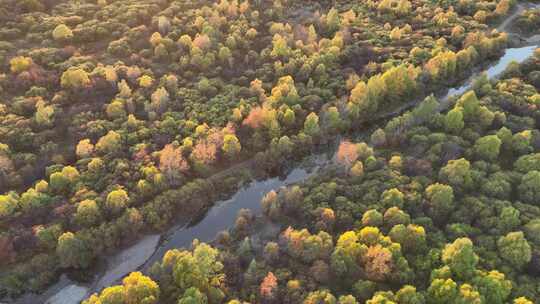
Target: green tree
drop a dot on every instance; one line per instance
(457, 173)
(493, 286)
(404, 7)
(306, 246)
(521, 142)
(136, 289)
(110, 143)
(505, 135)
(84, 148)
(532, 231)
(225, 55)
(145, 81)
(117, 201)
(412, 238)
(345, 255)
(62, 33)
(468, 295)
(529, 188)
(74, 78)
(408, 295)
(348, 299)
(140, 289)
(460, 257)
(378, 138)
(515, 249)
(364, 289)
(285, 146)
(311, 125)
(72, 251)
(110, 295)
(357, 170)
(392, 198)
(88, 213)
(488, 147)
(289, 118)
(332, 20)
(395, 216)
(383, 297)
(332, 119)
(372, 218)
(20, 64)
(320, 297)
(440, 199)
(498, 185)
(44, 115)
(200, 269)
(470, 104)
(32, 199)
(522, 300)
(527, 163)
(279, 46)
(365, 98)
(442, 291)
(116, 110)
(271, 252)
(63, 180)
(48, 236)
(193, 296)
(454, 121)
(509, 219)
(231, 146)
(9, 203)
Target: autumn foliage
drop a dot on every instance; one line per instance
(378, 262)
(347, 154)
(172, 163)
(259, 117)
(268, 288)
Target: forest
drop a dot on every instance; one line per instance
(122, 119)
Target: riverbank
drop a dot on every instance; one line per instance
(507, 25)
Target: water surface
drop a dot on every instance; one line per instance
(145, 252)
(223, 215)
(514, 54)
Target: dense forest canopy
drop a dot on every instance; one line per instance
(120, 118)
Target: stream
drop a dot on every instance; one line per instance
(150, 249)
(512, 54)
(221, 216)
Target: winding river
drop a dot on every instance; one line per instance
(223, 214)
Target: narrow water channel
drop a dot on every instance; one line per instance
(220, 217)
(148, 250)
(513, 54)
